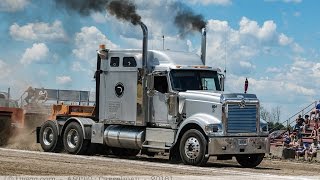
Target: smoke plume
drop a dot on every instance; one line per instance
(122, 9)
(186, 20)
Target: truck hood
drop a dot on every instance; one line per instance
(212, 96)
(216, 96)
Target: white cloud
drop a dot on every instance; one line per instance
(13, 5)
(98, 17)
(266, 32)
(63, 80)
(245, 43)
(215, 2)
(173, 43)
(87, 42)
(297, 14)
(285, 1)
(247, 65)
(292, 1)
(284, 40)
(35, 54)
(39, 31)
(273, 70)
(297, 48)
(5, 70)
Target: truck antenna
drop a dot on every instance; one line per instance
(226, 53)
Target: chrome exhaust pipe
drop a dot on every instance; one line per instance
(145, 98)
(203, 45)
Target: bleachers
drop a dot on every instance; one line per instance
(306, 136)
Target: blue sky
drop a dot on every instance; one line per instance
(274, 43)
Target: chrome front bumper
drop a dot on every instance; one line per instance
(238, 145)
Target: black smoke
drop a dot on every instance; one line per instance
(186, 20)
(122, 9)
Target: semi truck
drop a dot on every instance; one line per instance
(160, 101)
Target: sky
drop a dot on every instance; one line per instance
(273, 43)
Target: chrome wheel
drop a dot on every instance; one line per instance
(192, 148)
(47, 136)
(72, 138)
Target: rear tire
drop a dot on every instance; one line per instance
(250, 160)
(49, 137)
(193, 147)
(73, 139)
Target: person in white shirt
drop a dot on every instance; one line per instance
(43, 95)
(312, 151)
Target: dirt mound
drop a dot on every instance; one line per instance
(23, 139)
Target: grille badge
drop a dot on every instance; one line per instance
(242, 104)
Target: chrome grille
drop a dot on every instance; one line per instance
(242, 119)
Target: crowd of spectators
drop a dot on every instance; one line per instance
(305, 128)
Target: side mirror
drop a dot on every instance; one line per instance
(150, 85)
(173, 105)
(222, 79)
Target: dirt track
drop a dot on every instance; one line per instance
(19, 162)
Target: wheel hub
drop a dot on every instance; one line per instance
(47, 136)
(192, 148)
(72, 138)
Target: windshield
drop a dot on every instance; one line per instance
(183, 80)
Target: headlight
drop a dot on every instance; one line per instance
(263, 126)
(213, 129)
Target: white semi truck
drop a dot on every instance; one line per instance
(151, 101)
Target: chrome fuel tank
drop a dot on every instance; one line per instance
(130, 137)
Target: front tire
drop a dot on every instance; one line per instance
(73, 139)
(193, 147)
(49, 137)
(250, 160)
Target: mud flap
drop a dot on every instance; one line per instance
(38, 134)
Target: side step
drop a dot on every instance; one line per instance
(159, 138)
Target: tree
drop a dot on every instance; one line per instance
(272, 117)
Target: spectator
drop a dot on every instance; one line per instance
(315, 131)
(315, 111)
(306, 126)
(300, 149)
(30, 94)
(312, 151)
(299, 122)
(294, 139)
(286, 139)
(43, 95)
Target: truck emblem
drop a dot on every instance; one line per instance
(119, 89)
(214, 108)
(242, 104)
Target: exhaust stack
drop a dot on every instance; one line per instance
(144, 45)
(203, 45)
(145, 99)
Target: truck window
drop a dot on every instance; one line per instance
(183, 80)
(161, 84)
(129, 62)
(114, 62)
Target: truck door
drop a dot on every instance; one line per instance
(160, 108)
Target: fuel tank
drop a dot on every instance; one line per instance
(130, 137)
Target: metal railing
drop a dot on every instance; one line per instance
(292, 118)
